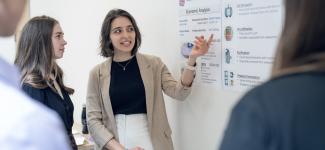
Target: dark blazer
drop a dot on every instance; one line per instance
(286, 113)
(51, 99)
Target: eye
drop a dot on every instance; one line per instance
(117, 31)
(58, 36)
(130, 29)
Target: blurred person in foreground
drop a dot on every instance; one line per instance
(25, 124)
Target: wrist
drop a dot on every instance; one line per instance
(191, 66)
(191, 61)
(113, 144)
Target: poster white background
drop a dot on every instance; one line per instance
(198, 18)
(246, 33)
(249, 51)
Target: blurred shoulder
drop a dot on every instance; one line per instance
(28, 108)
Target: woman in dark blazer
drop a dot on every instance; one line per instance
(287, 112)
(40, 44)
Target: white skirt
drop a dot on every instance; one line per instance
(133, 131)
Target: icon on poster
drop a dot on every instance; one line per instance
(181, 2)
(226, 77)
(232, 82)
(228, 56)
(186, 49)
(228, 12)
(226, 74)
(226, 82)
(231, 74)
(229, 78)
(228, 33)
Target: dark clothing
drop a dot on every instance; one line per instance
(286, 113)
(64, 107)
(130, 99)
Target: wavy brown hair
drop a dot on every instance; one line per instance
(302, 43)
(106, 45)
(35, 54)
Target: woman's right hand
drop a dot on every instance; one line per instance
(114, 145)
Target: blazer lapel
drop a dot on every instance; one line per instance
(105, 78)
(147, 78)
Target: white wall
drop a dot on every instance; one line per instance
(197, 123)
(7, 48)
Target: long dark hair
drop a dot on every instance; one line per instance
(105, 40)
(303, 37)
(35, 54)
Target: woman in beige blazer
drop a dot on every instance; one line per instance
(125, 104)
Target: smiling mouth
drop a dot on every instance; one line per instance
(126, 43)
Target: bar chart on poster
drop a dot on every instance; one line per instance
(246, 33)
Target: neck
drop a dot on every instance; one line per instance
(121, 56)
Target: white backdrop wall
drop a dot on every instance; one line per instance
(197, 123)
(7, 48)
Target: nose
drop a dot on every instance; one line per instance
(125, 34)
(65, 42)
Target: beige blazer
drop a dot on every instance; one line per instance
(156, 79)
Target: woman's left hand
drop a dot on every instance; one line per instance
(201, 46)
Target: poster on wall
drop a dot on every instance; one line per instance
(246, 33)
(250, 29)
(202, 17)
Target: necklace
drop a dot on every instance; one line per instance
(124, 67)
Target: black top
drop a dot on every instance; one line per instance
(286, 113)
(64, 107)
(126, 90)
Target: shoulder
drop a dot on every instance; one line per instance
(35, 93)
(291, 84)
(22, 102)
(282, 90)
(257, 99)
(96, 69)
(150, 59)
(29, 88)
(29, 116)
(147, 56)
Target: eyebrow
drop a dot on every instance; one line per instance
(116, 28)
(58, 33)
(128, 26)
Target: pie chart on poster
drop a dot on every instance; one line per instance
(186, 49)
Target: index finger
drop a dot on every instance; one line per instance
(210, 39)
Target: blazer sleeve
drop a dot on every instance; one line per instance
(34, 93)
(98, 131)
(171, 87)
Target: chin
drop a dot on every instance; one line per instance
(58, 57)
(126, 50)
